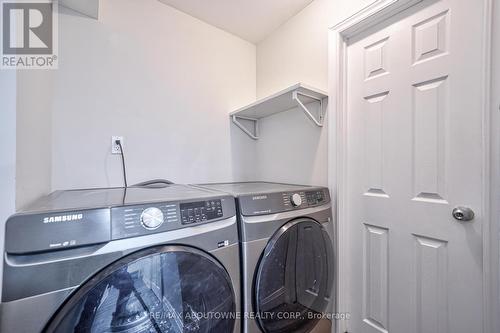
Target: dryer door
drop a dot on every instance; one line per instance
(161, 289)
(294, 280)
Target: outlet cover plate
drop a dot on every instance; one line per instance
(115, 149)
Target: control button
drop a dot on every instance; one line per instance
(296, 200)
(152, 218)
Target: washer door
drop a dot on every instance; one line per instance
(294, 280)
(162, 289)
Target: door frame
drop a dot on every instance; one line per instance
(339, 34)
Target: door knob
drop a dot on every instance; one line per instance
(463, 214)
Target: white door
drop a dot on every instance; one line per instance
(413, 154)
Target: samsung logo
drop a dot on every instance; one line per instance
(260, 197)
(62, 218)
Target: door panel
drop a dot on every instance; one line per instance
(414, 152)
(430, 120)
(431, 256)
(376, 283)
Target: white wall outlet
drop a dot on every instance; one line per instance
(115, 148)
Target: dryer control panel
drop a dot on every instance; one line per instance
(270, 203)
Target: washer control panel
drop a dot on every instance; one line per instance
(269, 203)
(138, 220)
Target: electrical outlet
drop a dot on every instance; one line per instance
(115, 148)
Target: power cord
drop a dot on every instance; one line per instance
(119, 143)
(155, 183)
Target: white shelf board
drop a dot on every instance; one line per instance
(279, 102)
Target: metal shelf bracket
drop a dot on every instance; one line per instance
(255, 134)
(318, 122)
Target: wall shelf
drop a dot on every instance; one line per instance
(298, 95)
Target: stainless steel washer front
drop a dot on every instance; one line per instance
(89, 265)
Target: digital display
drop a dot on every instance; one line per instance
(193, 212)
(314, 198)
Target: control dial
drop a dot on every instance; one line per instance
(152, 218)
(296, 200)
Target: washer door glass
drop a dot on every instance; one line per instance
(294, 280)
(162, 289)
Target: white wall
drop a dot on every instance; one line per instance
(34, 135)
(160, 78)
(7, 150)
(298, 50)
(291, 148)
(166, 81)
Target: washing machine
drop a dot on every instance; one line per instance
(287, 254)
(123, 260)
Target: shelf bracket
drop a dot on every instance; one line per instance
(255, 134)
(318, 122)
